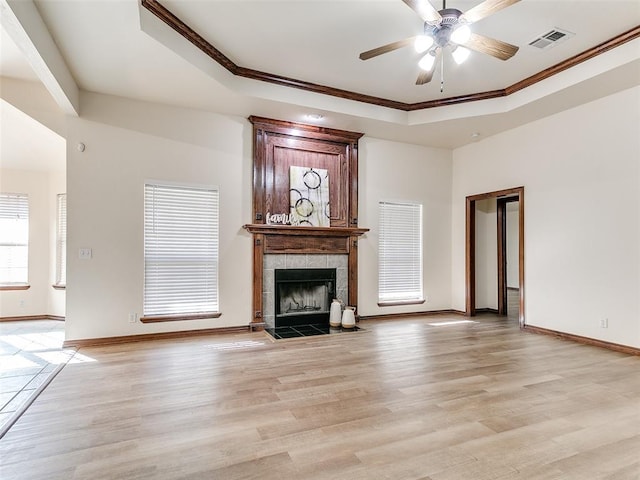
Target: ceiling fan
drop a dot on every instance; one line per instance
(450, 28)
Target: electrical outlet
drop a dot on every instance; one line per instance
(84, 253)
(133, 317)
(604, 323)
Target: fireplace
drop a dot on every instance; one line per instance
(303, 296)
(277, 147)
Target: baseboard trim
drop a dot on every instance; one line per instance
(584, 340)
(98, 342)
(429, 313)
(25, 318)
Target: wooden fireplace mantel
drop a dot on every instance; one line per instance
(288, 230)
(278, 146)
(279, 239)
(289, 239)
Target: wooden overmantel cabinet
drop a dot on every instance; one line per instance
(278, 145)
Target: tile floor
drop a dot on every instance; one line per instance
(306, 331)
(30, 353)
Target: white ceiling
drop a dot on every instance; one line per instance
(25, 144)
(117, 47)
(319, 41)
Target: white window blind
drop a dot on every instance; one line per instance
(400, 252)
(61, 240)
(180, 250)
(14, 239)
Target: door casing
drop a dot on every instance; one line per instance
(501, 209)
(502, 197)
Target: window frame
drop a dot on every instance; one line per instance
(392, 217)
(22, 206)
(153, 246)
(61, 242)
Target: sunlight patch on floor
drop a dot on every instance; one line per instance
(235, 345)
(451, 322)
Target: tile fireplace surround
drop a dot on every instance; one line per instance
(277, 247)
(286, 261)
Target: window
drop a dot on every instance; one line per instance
(61, 241)
(180, 252)
(14, 240)
(400, 253)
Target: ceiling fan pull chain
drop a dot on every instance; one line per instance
(441, 73)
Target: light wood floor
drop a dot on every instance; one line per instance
(402, 399)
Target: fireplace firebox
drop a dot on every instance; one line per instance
(303, 296)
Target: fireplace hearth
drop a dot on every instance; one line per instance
(302, 298)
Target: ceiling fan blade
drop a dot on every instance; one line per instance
(425, 77)
(425, 10)
(390, 47)
(486, 8)
(491, 46)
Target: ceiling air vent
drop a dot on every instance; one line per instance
(551, 38)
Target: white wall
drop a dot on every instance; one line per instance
(580, 169)
(40, 299)
(397, 171)
(128, 142)
(581, 173)
(56, 298)
(486, 254)
(513, 236)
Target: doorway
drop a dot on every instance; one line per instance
(508, 236)
(503, 198)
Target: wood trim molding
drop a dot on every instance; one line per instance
(599, 49)
(509, 194)
(178, 318)
(26, 318)
(584, 340)
(399, 303)
(501, 232)
(470, 258)
(166, 16)
(304, 231)
(98, 342)
(506, 193)
(304, 130)
(428, 313)
(6, 288)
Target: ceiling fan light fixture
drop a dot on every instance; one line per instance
(426, 62)
(422, 43)
(461, 35)
(460, 54)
